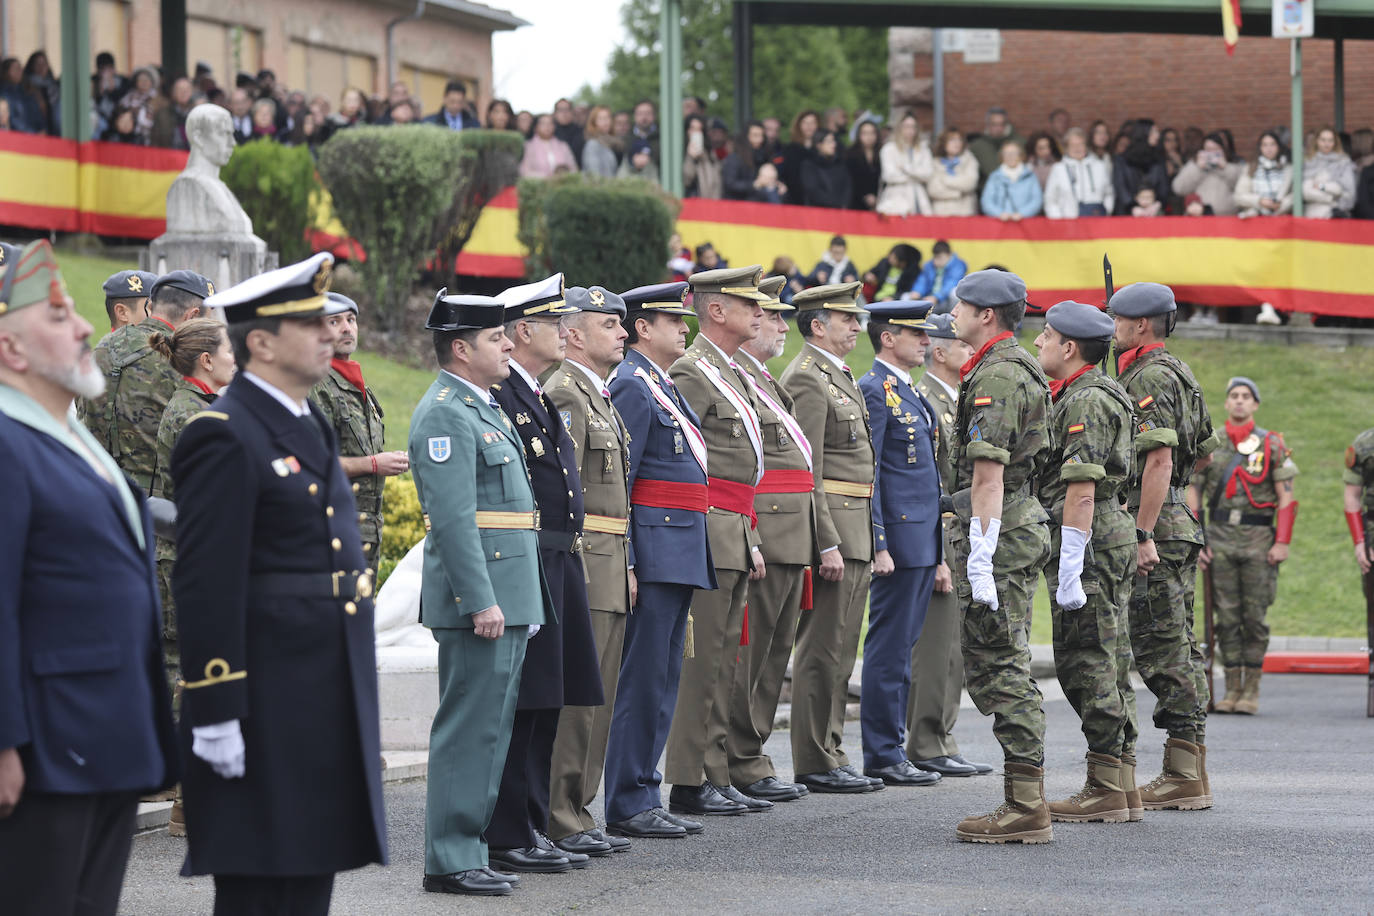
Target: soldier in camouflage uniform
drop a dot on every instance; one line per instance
(1246, 488)
(126, 297)
(1174, 438)
(1001, 444)
(356, 417)
(139, 382)
(1359, 514)
(1092, 554)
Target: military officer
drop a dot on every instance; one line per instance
(908, 558)
(1174, 438)
(1092, 555)
(1248, 491)
(1001, 442)
(727, 305)
(126, 297)
(138, 382)
(355, 415)
(670, 555)
(279, 712)
(787, 526)
(483, 590)
(830, 408)
(560, 665)
(595, 344)
(937, 662)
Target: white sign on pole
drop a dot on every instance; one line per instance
(982, 46)
(952, 40)
(1293, 19)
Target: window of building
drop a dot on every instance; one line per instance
(318, 70)
(427, 86)
(228, 49)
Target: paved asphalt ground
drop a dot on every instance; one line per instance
(1291, 832)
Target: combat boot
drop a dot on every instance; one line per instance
(1022, 818)
(1248, 703)
(1128, 787)
(1235, 677)
(176, 822)
(1181, 785)
(1101, 798)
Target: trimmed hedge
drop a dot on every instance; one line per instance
(610, 233)
(274, 183)
(403, 523)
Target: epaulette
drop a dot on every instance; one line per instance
(496, 387)
(208, 414)
(442, 393)
(567, 380)
(805, 363)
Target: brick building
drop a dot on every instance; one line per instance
(1179, 80)
(316, 47)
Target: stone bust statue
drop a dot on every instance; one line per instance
(198, 203)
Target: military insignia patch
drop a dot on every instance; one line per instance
(279, 468)
(210, 286)
(293, 464)
(567, 419)
(522, 418)
(537, 446)
(1076, 428)
(982, 402)
(597, 297)
(1145, 401)
(135, 284)
(1350, 457)
(975, 435)
(439, 449)
(1147, 426)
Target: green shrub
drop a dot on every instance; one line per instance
(403, 523)
(390, 185)
(495, 167)
(274, 184)
(611, 233)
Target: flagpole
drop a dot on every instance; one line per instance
(1298, 148)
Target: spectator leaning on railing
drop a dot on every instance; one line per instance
(906, 167)
(953, 183)
(1328, 177)
(799, 149)
(824, 177)
(1080, 184)
(740, 170)
(865, 169)
(600, 153)
(1042, 152)
(1265, 187)
(1141, 163)
(700, 168)
(545, 154)
(1012, 192)
(1211, 175)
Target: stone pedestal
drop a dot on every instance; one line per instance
(225, 260)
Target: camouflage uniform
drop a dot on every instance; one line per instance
(186, 401)
(1093, 427)
(1170, 413)
(1359, 472)
(138, 384)
(1003, 415)
(356, 418)
(1240, 531)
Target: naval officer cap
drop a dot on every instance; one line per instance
(465, 313)
(772, 288)
(338, 303)
(294, 291)
(129, 284)
(904, 313)
(1240, 381)
(991, 288)
(941, 326)
(29, 276)
(731, 281)
(596, 299)
(658, 298)
(542, 297)
(1143, 300)
(187, 281)
(834, 297)
(1080, 321)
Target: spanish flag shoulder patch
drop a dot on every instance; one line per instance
(1077, 428)
(1145, 401)
(982, 402)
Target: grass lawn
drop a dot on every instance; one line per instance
(1318, 398)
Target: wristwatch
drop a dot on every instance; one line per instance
(1141, 535)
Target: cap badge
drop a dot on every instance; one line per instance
(211, 287)
(597, 297)
(136, 284)
(321, 278)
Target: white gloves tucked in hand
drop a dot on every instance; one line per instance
(1071, 550)
(221, 746)
(534, 630)
(981, 548)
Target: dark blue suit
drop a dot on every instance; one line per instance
(671, 558)
(906, 523)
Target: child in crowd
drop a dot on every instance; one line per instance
(767, 188)
(1146, 204)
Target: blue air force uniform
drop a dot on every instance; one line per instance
(906, 523)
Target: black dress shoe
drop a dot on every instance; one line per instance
(646, 825)
(702, 799)
(835, 781)
(692, 827)
(945, 766)
(735, 795)
(583, 844)
(575, 859)
(903, 774)
(512, 880)
(529, 859)
(982, 768)
(474, 881)
(852, 770)
(617, 843)
(772, 789)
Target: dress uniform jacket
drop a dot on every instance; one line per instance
(357, 419)
(275, 619)
(906, 487)
(786, 513)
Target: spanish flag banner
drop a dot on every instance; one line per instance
(1230, 24)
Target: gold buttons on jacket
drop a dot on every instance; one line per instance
(313, 489)
(336, 544)
(496, 555)
(355, 488)
(329, 511)
(350, 608)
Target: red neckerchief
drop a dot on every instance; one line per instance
(1237, 435)
(199, 384)
(967, 367)
(170, 326)
(351, 371)
(1058, 386)
(1124, 361)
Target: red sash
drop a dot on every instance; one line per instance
(664, 494)
(733, 497)
(776, 481)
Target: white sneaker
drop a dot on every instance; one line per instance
(1267, 315)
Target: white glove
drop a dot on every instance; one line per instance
(534, 630)
(221, 746)
(981, 548)
(1074, 543)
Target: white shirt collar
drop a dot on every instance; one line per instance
(598, 383)
(900, 373)
(653, 365)
(297, 408)
(839, 363)
(953, 393)
(483, 393)
(529, 379)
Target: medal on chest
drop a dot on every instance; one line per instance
(1249, 445)
(537, 446)
(911, 453)
(677, 442)
(736, 430)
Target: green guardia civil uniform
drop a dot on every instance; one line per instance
(355, 415)
(1093, 430)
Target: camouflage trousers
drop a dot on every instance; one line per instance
(372, 550)
(1092, 648)
(996, 644)
(1166, 651)
(171, 650)
(1243, 587)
